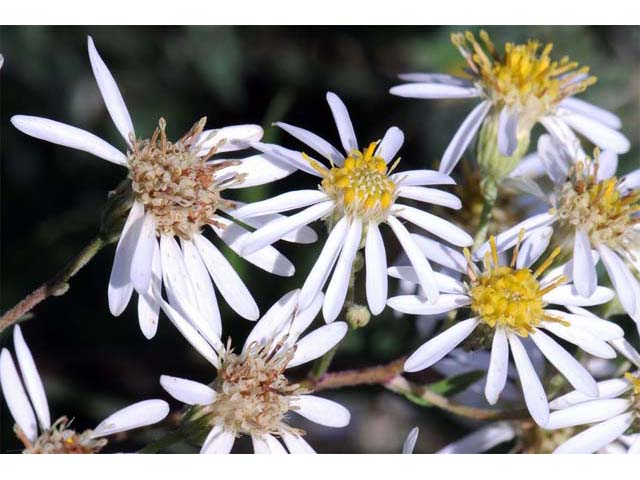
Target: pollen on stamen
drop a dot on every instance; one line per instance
(176, 185)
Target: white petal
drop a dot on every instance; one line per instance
(120, 286)
(555, 157)
(627, 350)
(417, 259)
(176, 278)
(607, 165)
(561, 132)
(343, 122)
(509, 237)
(137, 415)
(597, 327)
(376, 266)
(434, 90)
(435, 78)
(410, 441)
(227, 139)
(281, 203)
(32, 379)
(259, 170)
(296, 444)
(446, 284)
(275, 230)
(141, 270)
(588, 412)
(422, 177)
(533, 247)
(339, 283)
(483, 439)
(507, 131)
(534, 395)
(589, 110)
(218, 441)
(441, 254)
(416, 305)
(439, 346)
(463, 137)
(585, 277)
(498, 366)
(565, 269)
(267, 258)
(430, 195)
(110, 93)
(597, 436)
(435, 225)
(285, 155)
(188, 391)
(321, 269)
(390, 144)
(304, 317)
(267, 444)
(16, 397)
(630, 181)
(582, 338)
(227, 280)
(567, 295)
(318, 342)
(622, 279)
(529, 167)
(148, 305)
(606, 389)
(598, 133)
(273, 321)
(322, 411)
(569, 367)
(68, 136)
(317, 143)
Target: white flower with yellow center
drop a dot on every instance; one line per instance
(510, 302)
(521, 87)
(251, 394)
(595, 215)
(176, 189)
(36, 431)
(357, 193)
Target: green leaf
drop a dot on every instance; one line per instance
(452, 385)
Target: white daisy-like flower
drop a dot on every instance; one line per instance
(356, 194)
(30, 410)
(522, 87)
(510, 302)
(251, 394)
(590, 209)
(176, 189)
(615, 412)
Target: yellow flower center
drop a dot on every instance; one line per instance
(524, 76)
(599, 208)
(178, 187)
(361, 187)
(502, 295)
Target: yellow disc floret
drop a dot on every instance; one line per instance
(361, 187)
(525, 76)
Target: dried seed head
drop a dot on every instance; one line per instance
(62, 439)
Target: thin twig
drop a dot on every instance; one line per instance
(367, 376)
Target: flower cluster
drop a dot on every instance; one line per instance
(523, 292)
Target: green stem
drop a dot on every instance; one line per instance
(164, 442)
(56, 286)
(490, 197)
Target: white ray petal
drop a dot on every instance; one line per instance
(390, 144)
(321, 269)
(227, 280)
(623, 280)
(508, 131)
(275, 322)
(32, 379)
(599, 328)
(285, 155)
(410, 442)
(339, 283)
(430, 195)
(463, 137)
(483, 439)
(555, 157)
(565, 363)
(529, 167)
(376, 269)
(120, 286)
(188, 391)
(561, 132)
(227, 139)
(596, 437)
(416, 305)
(148, 305)
(630, 181)
(533, 247)
(582, 338)
(439, 346)
(304, 317)
(267, 444)
(568, 296)
(600, 134)
(68, 136)
(627, 350)
(322, 411)
(317, 143)
(110, 93)
(219, 441)
(281, 203)
(176, 278)
(611, 388)
(446, 284)
(590, 110)
(343, 123)
(259, 170)
(441, 254)
(498, 366)
(318, 342)
(141, 269)
(434, 90)
(534, 395)
(435, 78)
(588, 412)
(16, 397)
(417, 259)
(137, 415)
(607, 165)
(585, 277)
(421, 177)
(435, 225)
(296, 444)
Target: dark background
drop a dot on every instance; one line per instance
(93, 364)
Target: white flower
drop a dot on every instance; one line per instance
(250, 394)
(357, 193)
(30, 410)
(614, 412)
(176, 189)
(522, 87)
(595, 215)
(511, 302)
